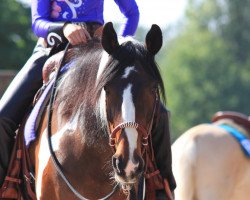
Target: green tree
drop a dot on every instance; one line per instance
(203, 70)
(16, 37)
(236, 30)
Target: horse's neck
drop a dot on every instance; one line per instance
(81, 153)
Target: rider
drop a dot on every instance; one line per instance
(54, 22)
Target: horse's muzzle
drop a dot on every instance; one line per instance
(127, 171)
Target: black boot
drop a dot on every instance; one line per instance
(162, 147)
(7, 136)
(16, 101)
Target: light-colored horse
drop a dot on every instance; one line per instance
(209, 164)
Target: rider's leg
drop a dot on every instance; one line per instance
(162, 147)
(15, 102)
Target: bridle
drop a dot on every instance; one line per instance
(144, 132)
(141, 129)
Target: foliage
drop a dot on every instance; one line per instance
(205, 67)
(16, 38)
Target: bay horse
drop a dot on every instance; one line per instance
(107, 97)
(209, 163)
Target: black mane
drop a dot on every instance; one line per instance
(78, 83)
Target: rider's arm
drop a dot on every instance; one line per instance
(130, 10)
(42, 25)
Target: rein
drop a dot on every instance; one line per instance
(56, 163)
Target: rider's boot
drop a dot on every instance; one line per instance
(7, 135)
(16, 101)
(162, 148)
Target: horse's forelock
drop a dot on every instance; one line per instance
(123, 40)
(148, 61)
(129, 51)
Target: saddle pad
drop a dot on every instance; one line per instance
(240, 137)
(30, 127)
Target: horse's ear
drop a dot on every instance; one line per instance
(109, 38)
(154, 39)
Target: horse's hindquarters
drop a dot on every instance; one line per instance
(209, 164)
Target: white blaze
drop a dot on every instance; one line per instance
(128, 115)
(128, 70)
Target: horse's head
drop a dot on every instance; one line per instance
(129, 83)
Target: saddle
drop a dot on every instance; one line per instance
(239, 118)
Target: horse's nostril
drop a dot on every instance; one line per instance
(118, 164)
(140, 167)
(137, 170)
(138, 159)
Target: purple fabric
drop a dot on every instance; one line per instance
(30, 125)
(45, 12)
(29, 129)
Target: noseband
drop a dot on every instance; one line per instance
(124, 125)
(141, 130)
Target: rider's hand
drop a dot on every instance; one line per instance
(75, 34)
